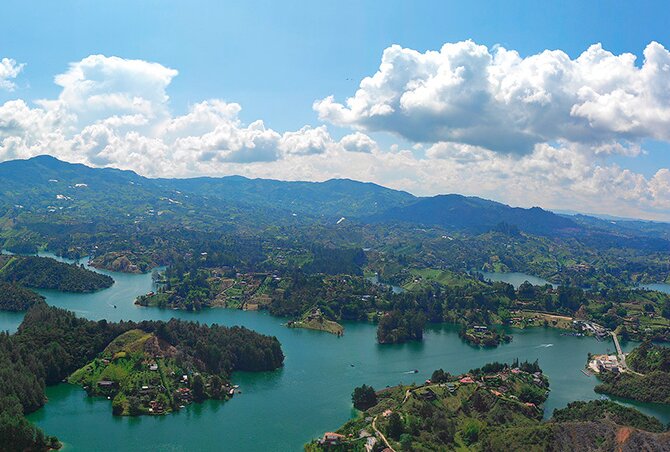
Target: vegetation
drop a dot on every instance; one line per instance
(462, 411)
(364, 397)
(496, 407)
(648, 357)
(650, 379)
(51, 344)
(398, 326)
(483, 336)
(125, 262)
(607, 410)
(14, 297)
(46, 273)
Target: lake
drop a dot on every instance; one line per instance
(515, 278)
(661, 287)
(311, 394)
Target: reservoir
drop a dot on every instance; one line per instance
(311, 394)
(658, 286)
(515, 278)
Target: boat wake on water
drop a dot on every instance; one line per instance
(545, 345)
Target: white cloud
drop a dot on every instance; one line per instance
(306, 141)
(495, 99)
(9, 70)
(99, 87)
(116, 112)
(358, 142)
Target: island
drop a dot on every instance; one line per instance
(47, 273)
(483, 336)
(143, 373)
(16, 298)
(316, 320)
(151, 367)
(496, 407)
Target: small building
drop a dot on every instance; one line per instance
(331, 438)
(428, 395)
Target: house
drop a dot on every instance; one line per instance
(428, 395)
(331, 438)
(467, 380)
(153, 367)
(107, 384)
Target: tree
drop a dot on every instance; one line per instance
(470, 431)
(134, 406)
(395, 427)
(198, 388)
(440, 376)
(364, 397)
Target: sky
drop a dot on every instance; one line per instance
(563, 105)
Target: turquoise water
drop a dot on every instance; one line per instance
(515, 278)
(284, 409)
(661, 287)
(375, 280)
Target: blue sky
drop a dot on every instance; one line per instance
(275, 59)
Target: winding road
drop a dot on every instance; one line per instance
(380, 434)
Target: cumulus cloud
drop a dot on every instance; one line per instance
(9, 70)
(99, 87)
(358, 142)
(491, 123)
(307, 141)
(495, 99)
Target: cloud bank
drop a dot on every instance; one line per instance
(539, 130)
(466, 93)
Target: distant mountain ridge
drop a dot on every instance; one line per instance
(44, 182)
(334, 197)
(476, 215)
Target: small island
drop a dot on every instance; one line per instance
(315, 320)
(483, 336)
(143, 374)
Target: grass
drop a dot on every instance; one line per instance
(328, 326)
(131, 341)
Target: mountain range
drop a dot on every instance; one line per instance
(44, 184)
